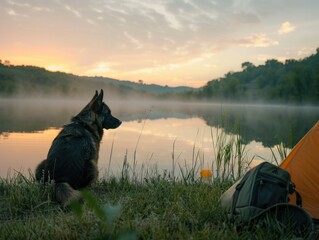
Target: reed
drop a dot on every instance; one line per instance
(282, 153)
(229, 161)
(278, 155)
(230, 155)
(110, 159)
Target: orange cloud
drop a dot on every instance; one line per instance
(285, 28)
(257, 40)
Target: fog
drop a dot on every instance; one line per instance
(269, 124)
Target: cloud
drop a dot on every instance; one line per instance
(13, 3)
(100, 68)
(256, 40)
(304, 52)
(133, 40)
(27, 5)
(12, 12)
(15, 14)
(171, 66)
(72, 10)
(161, 9)
(161, 68)
(90, 21)
(55, 68)
(265, 57)
(285, 28)
(69, 8)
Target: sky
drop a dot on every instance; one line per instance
(166, 42)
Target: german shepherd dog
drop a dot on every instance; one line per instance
(72, 159)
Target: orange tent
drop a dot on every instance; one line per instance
(303, 165)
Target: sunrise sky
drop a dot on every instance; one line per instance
(167, 42)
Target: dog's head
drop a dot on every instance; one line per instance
(97, 110)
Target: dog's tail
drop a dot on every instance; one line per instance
(65, 194)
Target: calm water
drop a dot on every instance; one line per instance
(152, 133)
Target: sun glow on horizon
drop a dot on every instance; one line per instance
(167, 43)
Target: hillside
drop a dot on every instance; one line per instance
(35, 81)
(295, 81)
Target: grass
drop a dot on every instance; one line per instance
(117, 208)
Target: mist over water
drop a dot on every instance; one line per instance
(150, 128)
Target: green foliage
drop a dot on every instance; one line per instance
(293, 82)
(106, 215)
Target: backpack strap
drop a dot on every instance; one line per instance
(292, 189)
(298, 199)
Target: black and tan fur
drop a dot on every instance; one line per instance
(72, 159)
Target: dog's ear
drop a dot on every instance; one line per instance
(93, 100)
(100, 97)
(97, 103)
(95, 95)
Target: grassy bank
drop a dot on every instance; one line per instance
(158, 208)
(136, 204)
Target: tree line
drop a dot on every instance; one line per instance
(295, 81)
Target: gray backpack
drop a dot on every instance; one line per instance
(263, 191)
(262, 187)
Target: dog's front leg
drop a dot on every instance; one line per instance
(92, 172)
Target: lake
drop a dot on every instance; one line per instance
(155, 136)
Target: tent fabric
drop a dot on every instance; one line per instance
(303, 165)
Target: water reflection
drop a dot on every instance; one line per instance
(152, 133)
(22, 151)
(146, 146)
(269, 125)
